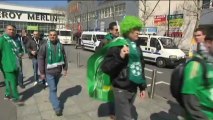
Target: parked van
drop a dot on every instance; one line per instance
(91, 39)
(161, 50)
(65, 36)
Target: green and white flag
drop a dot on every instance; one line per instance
(99, 84)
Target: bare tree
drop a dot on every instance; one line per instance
(193, 10)
(146, 10)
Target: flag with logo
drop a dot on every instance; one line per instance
(98, 83)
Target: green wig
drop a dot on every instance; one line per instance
(130, 23)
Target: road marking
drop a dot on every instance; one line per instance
(150, 70)
(160, 82)
(148, 77)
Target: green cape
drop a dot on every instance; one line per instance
(99, 84)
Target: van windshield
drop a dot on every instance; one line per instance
(100, 37)
(65, 33)
(168, 43)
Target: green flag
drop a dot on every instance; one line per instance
(99, 84)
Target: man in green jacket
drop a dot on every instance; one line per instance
(113, 33)
(10, 54)
(198, 96)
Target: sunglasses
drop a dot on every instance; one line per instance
(116, 30)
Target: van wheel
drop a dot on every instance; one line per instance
(161, 62)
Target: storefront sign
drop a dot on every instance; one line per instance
(149, 30)
(160, 20)
(12, 15)
(32, 27)
(175, 32)
(176, 20)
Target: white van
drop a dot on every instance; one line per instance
(65, 36)
(161, 50)
(91, 39)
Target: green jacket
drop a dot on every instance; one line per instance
(109, 37)
(7, 57)
(193, 85)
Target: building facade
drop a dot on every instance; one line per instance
(174, 18)
(30, 18)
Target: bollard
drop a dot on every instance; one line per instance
(77, 59)
(153, 83)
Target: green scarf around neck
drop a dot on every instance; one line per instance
(134, 63)
(55, 57)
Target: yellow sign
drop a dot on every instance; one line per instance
(32, 27)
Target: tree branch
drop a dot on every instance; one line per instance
(152, 10)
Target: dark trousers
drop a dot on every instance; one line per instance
(21, 76)
(123, 104)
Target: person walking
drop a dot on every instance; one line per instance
(197, 90)
(125, 66)
(11, 54)
(51, 61)
(33, 48)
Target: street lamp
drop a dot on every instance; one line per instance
(87, 13)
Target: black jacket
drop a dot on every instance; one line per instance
(116, 68)
(32, 46)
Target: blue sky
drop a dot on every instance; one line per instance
(38, 3)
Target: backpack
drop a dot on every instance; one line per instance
(177, 78)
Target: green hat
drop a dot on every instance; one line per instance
(130, 23)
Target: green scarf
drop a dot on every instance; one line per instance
(99, 84)
(54, 58)
(134, 63)
(15, 49)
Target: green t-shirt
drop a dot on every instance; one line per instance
(109, 37)
(193, 84)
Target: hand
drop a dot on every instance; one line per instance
(65, 73)
(142, 94)
(124, 51)
(42, 76)
(33, 52)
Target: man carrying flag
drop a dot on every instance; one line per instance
(122, 68)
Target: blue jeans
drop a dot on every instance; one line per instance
(35, 68)
(52, 81)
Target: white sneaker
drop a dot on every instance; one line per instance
(46, 84)
(35, 83)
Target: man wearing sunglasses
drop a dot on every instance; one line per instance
(113, 33)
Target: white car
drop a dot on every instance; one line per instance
(90, 40)
(161, 50)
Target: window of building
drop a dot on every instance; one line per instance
(119, 9)
(106, 12)
(102, 13)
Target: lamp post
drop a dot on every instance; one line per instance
(168, 17)
(87, 14)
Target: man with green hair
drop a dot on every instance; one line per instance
(10, 55)
(125, 66)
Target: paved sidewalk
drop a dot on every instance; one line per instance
(72, 92)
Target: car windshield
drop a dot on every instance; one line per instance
(168, 43)
(100, 37)
(65, 33)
